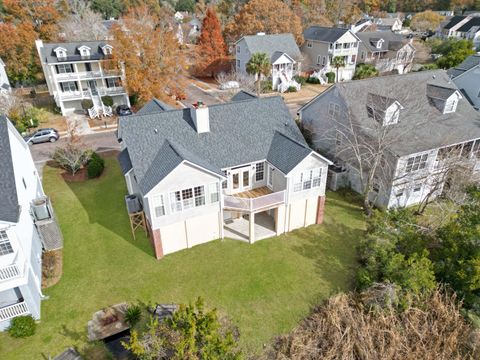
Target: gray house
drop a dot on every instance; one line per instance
(467, 78)
(417, 120)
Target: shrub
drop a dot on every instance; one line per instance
(364, 71)
(95, 166)
(266, 86)
(86, 104)
(313, 80)
(22, 326)
(300, 79)
(292, 89)
(425, 67)
(70, 157)
(133, 99)
(330, 77)
(107, 100)
(133, 315)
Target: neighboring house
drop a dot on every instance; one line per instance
(361, 25)
(240, 170)
(281, 49)
(386, 50)
(27, 223)
(322, 44)
(423, 120)
(4, 83)
(79, 71)
(463, 27)
(388, 24)
(467, 78)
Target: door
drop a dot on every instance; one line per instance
(241, 180)
(270, 177)
(92, 85)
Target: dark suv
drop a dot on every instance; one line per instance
(42, 135)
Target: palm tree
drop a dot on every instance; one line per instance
(338, 62)
(258, 65)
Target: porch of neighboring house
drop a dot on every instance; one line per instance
(252, 215)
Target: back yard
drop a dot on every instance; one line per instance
(266, 288)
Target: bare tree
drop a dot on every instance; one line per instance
(83, 26)
(74, 154)
(225, 80)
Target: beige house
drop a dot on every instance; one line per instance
(240, 170)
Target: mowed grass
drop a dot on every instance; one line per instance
(266, 288)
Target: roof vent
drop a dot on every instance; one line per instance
(155, 131)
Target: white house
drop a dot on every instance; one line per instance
(281, 49)
(423, 120)
(240, 170)
(322, 44)
(27, 224)
(466, 77)
(388, 24)
(463, 27)
(386, 50)
(79, 71)
(4, 83)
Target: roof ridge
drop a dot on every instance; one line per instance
(292, 140)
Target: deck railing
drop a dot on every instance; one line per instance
(9, 312)
(254, 204)
(9, 272)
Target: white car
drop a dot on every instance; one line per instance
(230, 85)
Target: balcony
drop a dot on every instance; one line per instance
(254, 200)
(88, 75)
(10, 272)
(117, 90)
(11, 311)
(74, 95)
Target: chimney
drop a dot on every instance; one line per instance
(200, 117)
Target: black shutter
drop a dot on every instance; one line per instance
(56, 67)
(76, 85)
(61, 87)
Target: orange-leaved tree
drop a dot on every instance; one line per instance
(211, 49)
(268, 16)
(148, 49)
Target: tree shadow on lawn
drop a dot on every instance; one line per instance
(103, 200)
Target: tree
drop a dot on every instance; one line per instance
(426, 21)
(337, 63)
(74, 154)
(192, 332)
(365, 71)
(185, 5)
(259, 65)
(268, 16)
(108, 8)
(84, 27)
(453, 52)
(346, 11)
(211, 47)
(154, 63)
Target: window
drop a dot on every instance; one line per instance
(307, 179)
(324, 60)
(187, 198)
(333, 110)
(238, 49)
(64, 68)
(213, 189)
(68, 86)
(338, 46)
(84, 51)
(317, 177)
(309, 44)
(363, 55)
(260, 171)
(416, 163)
(175, 201)
(199, 192)
(5, 246)
(270, 176)
(159, 205)
(113, 82)
(319, 57)
(107, 50)
(297, 182)
(238, 64)
(417, 188)
(225, 182)
(353, 59)
(450, 106)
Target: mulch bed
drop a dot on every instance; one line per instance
(51, 268)
(80, 176)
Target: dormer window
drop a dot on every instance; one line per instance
(377, 43)
(445, 99)
(60, 52)
(450, 106)
(107, 50)
(383, 109)
(84, 51)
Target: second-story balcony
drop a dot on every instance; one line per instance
(255, 200)
(81, 75)
(10, 272)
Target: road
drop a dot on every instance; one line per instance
(101, 141)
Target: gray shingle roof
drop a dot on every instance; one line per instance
(241, 132)
(440, 92)
(73, 54)
(454, 21)
(243, 95)
(325, 34)
(286, 153)
(475, 21)
(421, 125)
(391, 41)
(9, 209)
(153, 106)
(270, 44)
(467, 64)
(125, 162)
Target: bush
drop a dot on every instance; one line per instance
(266, 86)
(300, 79)
(292, 89)
(133, 99)
(330, 77)
(22, 326)
(133, 315)
(107, 100)
(86, 104)
(313, 80)
(365, 71)
(95, 166)
(428, 67)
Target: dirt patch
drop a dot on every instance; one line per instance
(52, 264)
(422, 52)
(109, 121)
(307, 92)
(80, 176)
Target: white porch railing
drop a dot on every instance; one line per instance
(117, 90)
(254, 204)
(9, 312)
(9, 272)
(74, 95)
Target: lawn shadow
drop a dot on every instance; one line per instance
(104, 201)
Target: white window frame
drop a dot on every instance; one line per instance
(187, 198)
(62, 69)
(450, 106)
(333, 110)
(214, 192)
(259, 171)
(70, 83)
(270, 176)
(307, 180)
(159, 208)
(415, 163)
(6, 247)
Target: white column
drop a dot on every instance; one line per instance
(251, 238)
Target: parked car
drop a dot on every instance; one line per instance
(123, 110)
(42, 135)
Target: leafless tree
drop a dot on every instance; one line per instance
(74, 154)
(83, 26)
(245, 82)
(78, 7)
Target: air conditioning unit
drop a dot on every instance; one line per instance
(133, 204)
(40, 209)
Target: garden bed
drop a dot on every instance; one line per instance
(51, 268)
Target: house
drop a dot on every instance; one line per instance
(27, 224)
(281, 49)
(79, 71)
(423, 121)
(240, 170)
(463, 27)
(386, 50)
(361, 25)
(466, 77)
(5, 87)
(322, 44)
(388, 24)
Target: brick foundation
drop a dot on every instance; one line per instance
(320, 209)
(156, 241)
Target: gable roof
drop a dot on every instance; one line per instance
(273, 43)
(9, 209)
(324, 34)
(286, 153)
(469, 63)
(475, 21)
(154, 106)
(391, 41)
(454, 21)
(73, 54)
(243, 95)
(421, 126)
(241, 132)
(389, 21)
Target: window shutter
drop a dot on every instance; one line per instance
(56, 68)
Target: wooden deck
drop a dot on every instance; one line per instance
(254, 193)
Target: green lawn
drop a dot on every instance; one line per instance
(266, 288)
